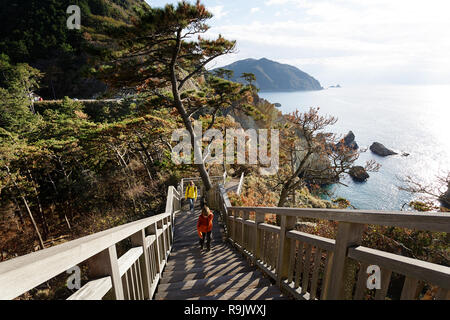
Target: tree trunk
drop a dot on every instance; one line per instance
(281, 203)
(149, 158)
(68, 203)
(127, 178)
(146, 166)
(41, 211)
(41, 242)
(283, 196)
(182, 111)
(19, 214)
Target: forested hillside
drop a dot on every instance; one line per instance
(69, 169)
(66, 172)
(35, 32)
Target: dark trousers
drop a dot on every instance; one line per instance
(208, 239)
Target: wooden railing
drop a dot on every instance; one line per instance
(313, 267)
(132, 276)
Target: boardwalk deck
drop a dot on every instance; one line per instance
(220, 274)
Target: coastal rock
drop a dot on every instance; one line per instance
(381, 150)
(445, 198)
(359, 174)
(349, 141)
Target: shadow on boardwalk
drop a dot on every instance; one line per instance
(220, 274)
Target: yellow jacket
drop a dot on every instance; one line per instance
(191, 192)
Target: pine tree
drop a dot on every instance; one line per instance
(165, 51)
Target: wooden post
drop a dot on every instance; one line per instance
(226, 214)
(169, 233)
(348, 235)
(182, 189)
(138, 239)
(327, 275)
(171, 228)
(284, 248)
(409, 291)
(245, 216)
(233, 233)
(105, 264)
(153, 230)
(166, 237)
(259, 218)
(162, 244)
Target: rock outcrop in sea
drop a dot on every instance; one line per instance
(348, 141)
(359, 174)
(445, 198)
(381, 150)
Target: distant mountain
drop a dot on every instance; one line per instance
(274, 76)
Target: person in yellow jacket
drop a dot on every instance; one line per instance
(191, 195)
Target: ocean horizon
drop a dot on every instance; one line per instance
(410, 119)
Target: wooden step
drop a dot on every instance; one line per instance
(204, 268)
(182, 265)
(201, 273)
(193, 245)
(199, 262)
(186, 241)
(177, 249)
(204, 258)
(264, 293)
(211, 287)
(197, 252)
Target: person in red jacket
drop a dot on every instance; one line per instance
(204, 227)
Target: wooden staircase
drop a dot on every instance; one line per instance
(256, 262)
(220, 274)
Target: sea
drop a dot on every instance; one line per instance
(406, 119)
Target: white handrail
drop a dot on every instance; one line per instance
(430, 221)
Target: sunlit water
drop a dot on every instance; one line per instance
(411, 119)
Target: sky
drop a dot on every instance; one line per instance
(340, 41)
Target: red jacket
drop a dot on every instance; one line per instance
(205, 224)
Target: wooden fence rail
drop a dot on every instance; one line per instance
(313, 267)
(133, 276)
